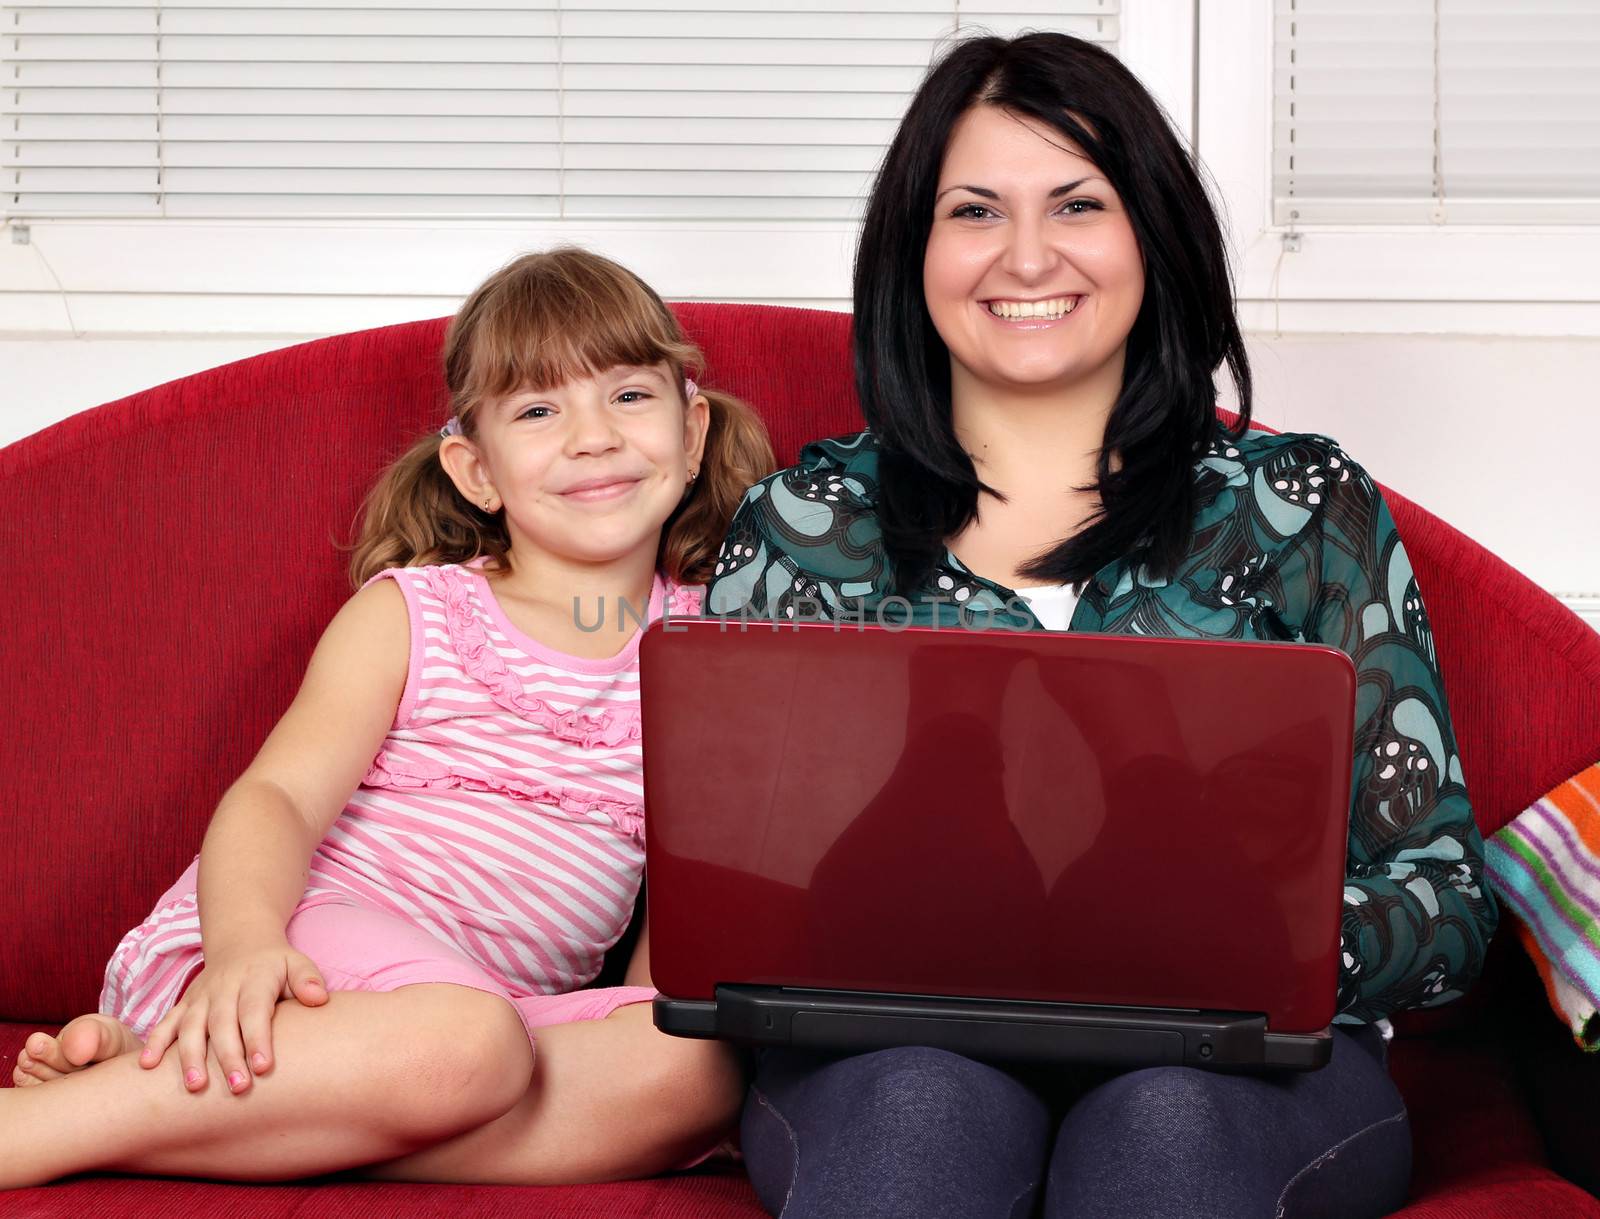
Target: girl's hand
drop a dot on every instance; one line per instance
(231, 1003)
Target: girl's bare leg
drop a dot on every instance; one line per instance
(366, 1077)
(611, 1099)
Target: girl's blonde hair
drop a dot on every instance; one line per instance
(538, 322)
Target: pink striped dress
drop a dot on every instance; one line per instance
(503, 814)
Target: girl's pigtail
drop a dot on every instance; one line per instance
(738, 455)
(415, 516)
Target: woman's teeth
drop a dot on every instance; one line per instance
(1059, 307)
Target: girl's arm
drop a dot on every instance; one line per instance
(254, 860)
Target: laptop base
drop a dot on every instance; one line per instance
(1002, 1030)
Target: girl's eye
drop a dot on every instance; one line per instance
(629, 396)
(536, 411)
(971, 211)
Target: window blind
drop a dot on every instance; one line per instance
(555, 109)
(1436, 112)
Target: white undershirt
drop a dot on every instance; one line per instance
(1052, 604)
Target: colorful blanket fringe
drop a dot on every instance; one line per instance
(1545, 866)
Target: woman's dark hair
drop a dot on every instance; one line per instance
(1165, 415)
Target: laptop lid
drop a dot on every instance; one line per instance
(1033, 818)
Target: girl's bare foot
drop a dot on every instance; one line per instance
(82, 1043)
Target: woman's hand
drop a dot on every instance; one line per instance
(230, 1003)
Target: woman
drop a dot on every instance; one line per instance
(1042, 299)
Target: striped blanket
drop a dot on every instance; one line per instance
(1545, 865)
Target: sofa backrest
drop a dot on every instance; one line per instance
(176, 559)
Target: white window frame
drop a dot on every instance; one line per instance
(308, 277)
(1537, 280)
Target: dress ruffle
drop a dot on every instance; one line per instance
(417, 774)
(465, 618)
(481, 661)
(684, 600)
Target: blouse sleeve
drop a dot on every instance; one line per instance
(752, 572)
(1417, 915)
(800, 546)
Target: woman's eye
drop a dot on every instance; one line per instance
(971, 211)
(1078, 207)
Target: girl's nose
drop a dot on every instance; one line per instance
(593, 431)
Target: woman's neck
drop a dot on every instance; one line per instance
(1042, 440)
(1035, 450)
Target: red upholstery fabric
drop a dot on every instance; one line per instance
(173, 558)
(1476, 1149)
(695, 1196)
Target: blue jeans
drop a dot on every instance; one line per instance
(924, 1134)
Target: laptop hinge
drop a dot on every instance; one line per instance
(1000, 1030)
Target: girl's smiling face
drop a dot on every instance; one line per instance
(590, 470)
(1032, 274)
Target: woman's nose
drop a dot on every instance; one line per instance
(1028, 255)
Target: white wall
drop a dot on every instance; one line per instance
(46, 379)
(1496, 435)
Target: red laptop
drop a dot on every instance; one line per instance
(1031, 846)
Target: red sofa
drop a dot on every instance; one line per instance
(173, 560)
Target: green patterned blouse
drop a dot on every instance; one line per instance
(1292, 541)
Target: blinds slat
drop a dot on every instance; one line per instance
(252, 130)
(1044, 8)
(756, 103)
(305, 154)
(66, 127)
(841, 27)
(442, 22)
(26, 154)
(287, 180)
(682, 56)
(169, 6)
(358, 205)
(283, 49)
(700, 159)
(400, 77)
(393, 106)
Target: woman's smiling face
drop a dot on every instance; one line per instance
(1032, 274)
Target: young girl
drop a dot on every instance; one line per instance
(435, 927)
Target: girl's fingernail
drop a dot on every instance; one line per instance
(259, 1062)
(192, 1077)
(236, 1080)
